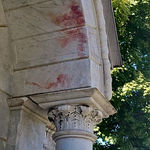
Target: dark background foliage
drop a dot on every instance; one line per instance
(129, 128)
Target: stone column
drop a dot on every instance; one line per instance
(74, 126)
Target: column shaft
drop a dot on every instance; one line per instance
(74, 144)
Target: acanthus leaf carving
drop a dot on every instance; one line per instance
(74, 117)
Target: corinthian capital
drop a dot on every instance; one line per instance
(74, 117)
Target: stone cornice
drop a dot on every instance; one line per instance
(84, 96)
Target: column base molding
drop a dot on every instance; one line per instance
(74, 134)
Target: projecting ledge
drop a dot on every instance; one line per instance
(85, 96)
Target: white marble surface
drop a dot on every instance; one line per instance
(62, 76)
(51, 48)
(43, 17)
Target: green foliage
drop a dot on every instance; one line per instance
(129, 129)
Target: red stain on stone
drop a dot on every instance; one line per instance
(62, 80)
(74, 17)
(74, 35)
(34, 84)
(50, 85)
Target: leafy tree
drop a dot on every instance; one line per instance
(129, 128)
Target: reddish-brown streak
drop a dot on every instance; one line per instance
(77, 34)
(62, 79)
(74, 35)
(73, 18)
(34, 84)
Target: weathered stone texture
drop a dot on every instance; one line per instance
(4, 116)
(12, 4)
(2, 144)
(104, 49)
(48, 32)
(97, 76)
(26, 132)
(54, 35)
(49, 144)
(5, 61)
(51, 48)
(44, 17)
(57, 47)
(2, 16)
(31, 133)
(67, 75)
(4, 53)
(13, 127)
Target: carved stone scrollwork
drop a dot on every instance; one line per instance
(74, 117)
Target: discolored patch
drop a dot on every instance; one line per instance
(74, 17)
(62, 80)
